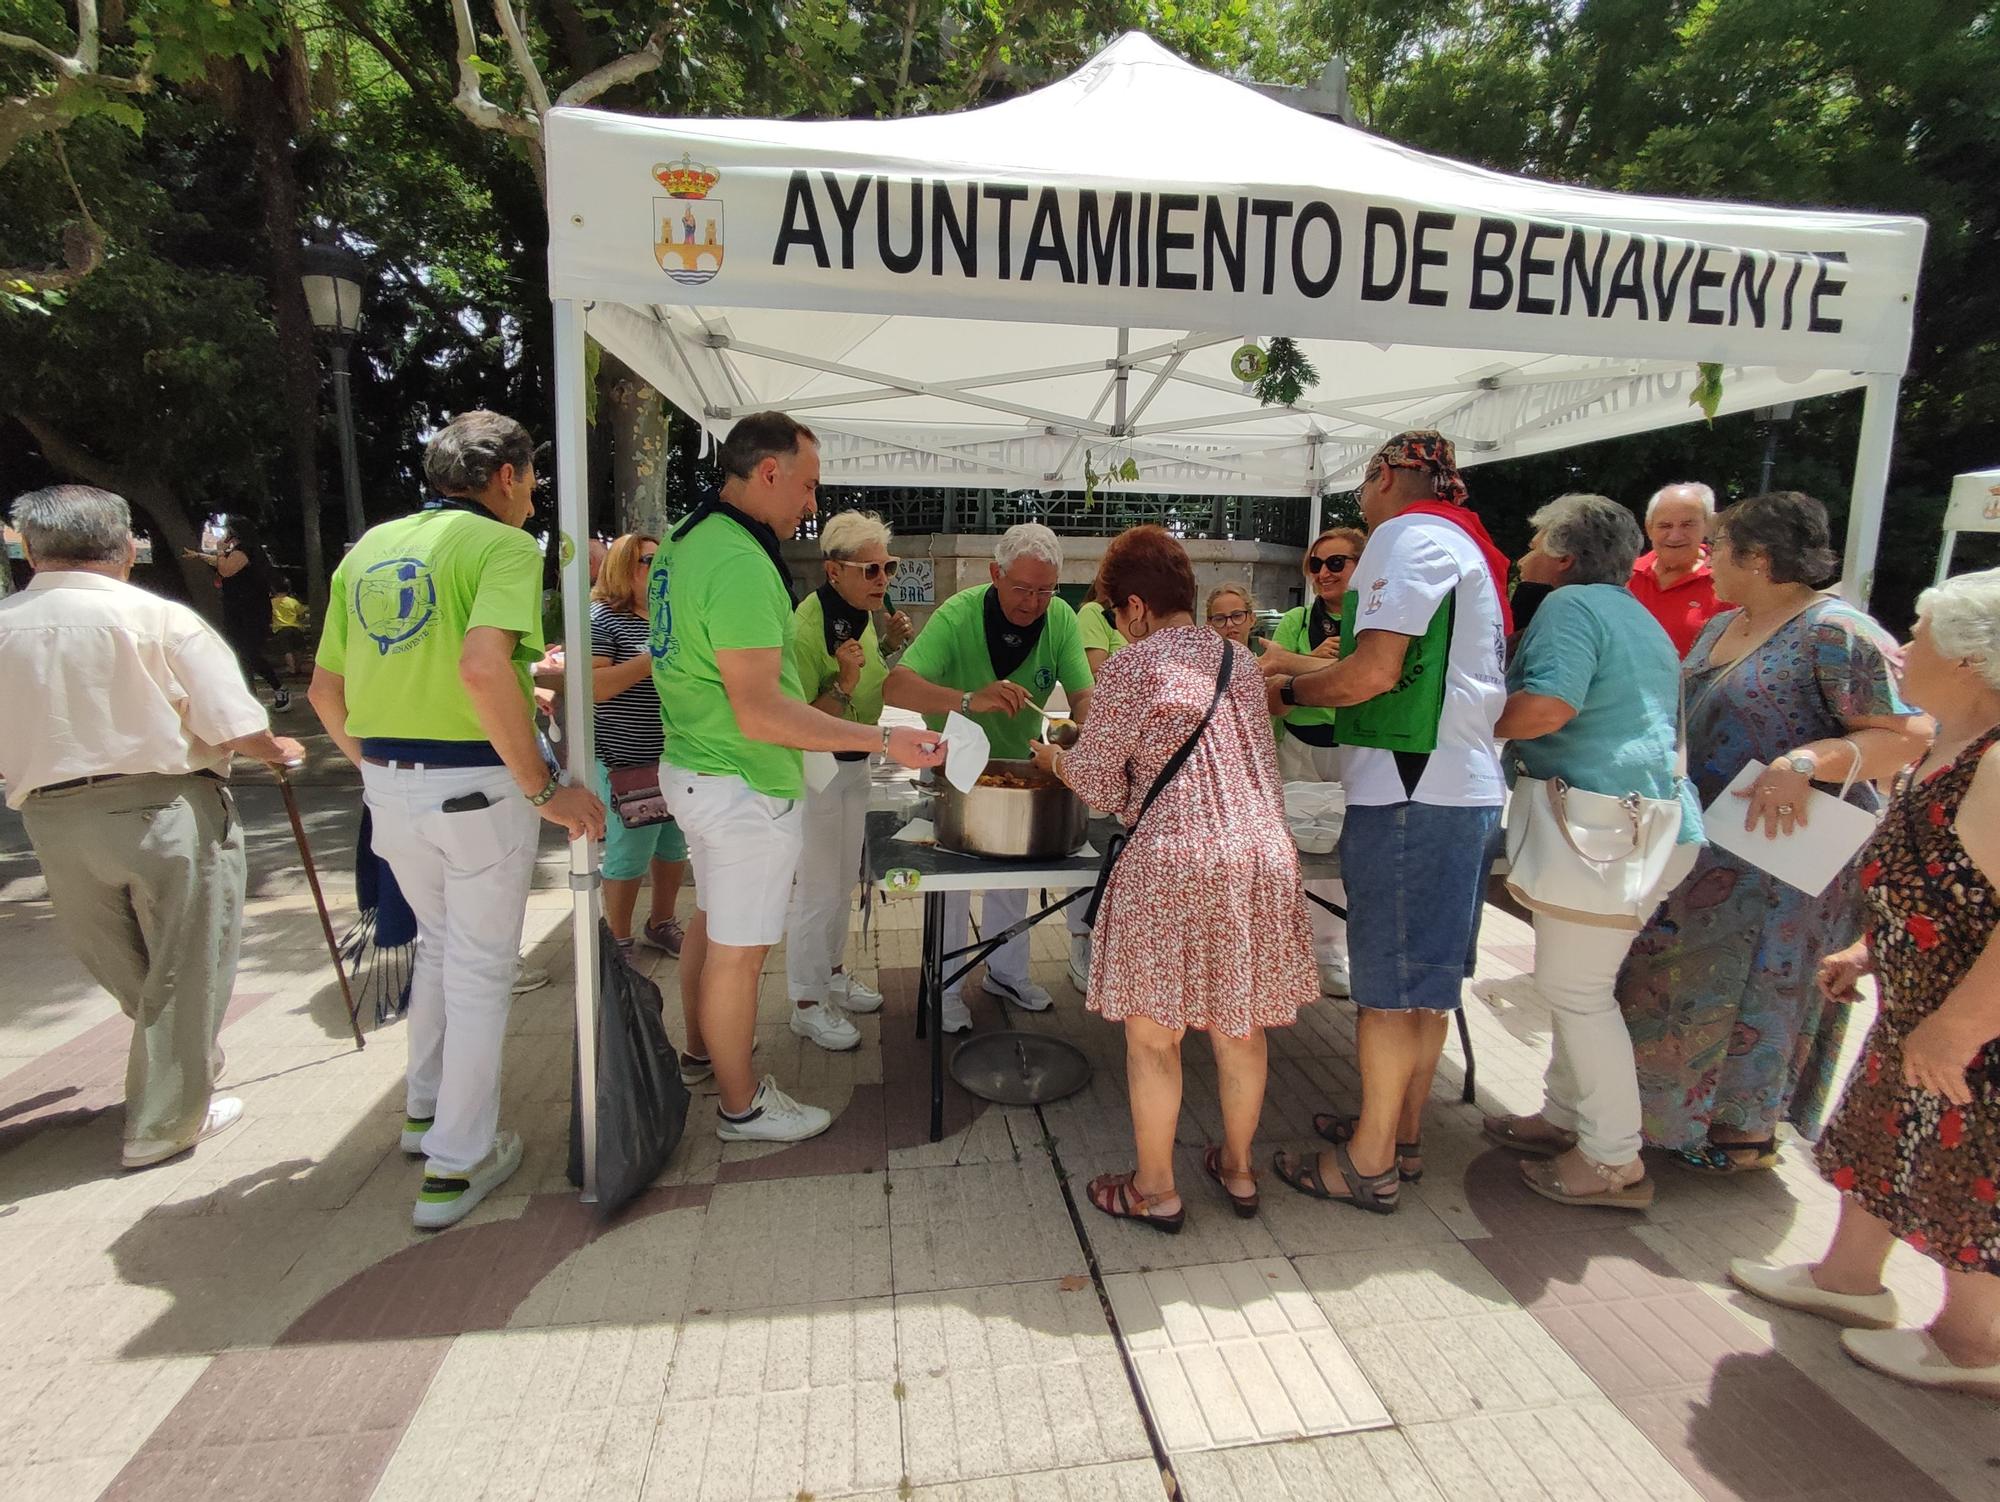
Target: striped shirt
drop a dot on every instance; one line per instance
(627, 725)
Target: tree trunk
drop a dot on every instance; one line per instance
(267, 118)
(172, 530)
(638, 453)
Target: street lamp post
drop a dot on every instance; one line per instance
(333, 278)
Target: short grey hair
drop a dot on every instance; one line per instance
(1702, 493)
(1597, 535)
(848, 532)
(74, 524)
(465, 455)
(1028, 540)
(1964, 613)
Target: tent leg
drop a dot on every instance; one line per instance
(1871, 485)
(1312, 517)
(573, 520)
(1944, 555)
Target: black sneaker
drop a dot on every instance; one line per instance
(282, 700)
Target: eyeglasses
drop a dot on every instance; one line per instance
(1026, 592)
(1229, 618)
(872, 572)
(1334, 561)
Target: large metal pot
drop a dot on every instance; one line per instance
(1038, 819)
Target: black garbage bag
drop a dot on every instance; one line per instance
(642, 1105)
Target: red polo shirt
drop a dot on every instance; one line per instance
(1684, 607)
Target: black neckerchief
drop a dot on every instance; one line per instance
(766, 538)
(457, 503)
(1321, 623)
(841, 620)
(1007, 644)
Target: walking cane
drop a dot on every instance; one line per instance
(319, 901)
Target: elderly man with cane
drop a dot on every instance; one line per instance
(128, 711)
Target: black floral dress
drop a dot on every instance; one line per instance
(1930, 1169)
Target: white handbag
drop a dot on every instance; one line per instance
(1591, 857)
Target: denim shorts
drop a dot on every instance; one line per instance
(1416, 885)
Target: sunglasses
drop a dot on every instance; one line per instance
(872, 572)
(1229, 618)
(1335, 561)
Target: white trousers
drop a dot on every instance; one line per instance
(999, 910)
(816, 924)
(1592, 1087)
(1298, 762)
(466, 877)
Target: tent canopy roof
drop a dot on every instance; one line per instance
(1002, 296)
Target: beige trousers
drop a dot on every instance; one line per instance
(147, 877)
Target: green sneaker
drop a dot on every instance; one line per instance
(414, 1128)
(445, 1200)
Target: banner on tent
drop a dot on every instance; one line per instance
(638, 213)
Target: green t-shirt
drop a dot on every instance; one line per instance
(818, 671)
(1294, 634)
(715, 590)
(401, 603)
(1093, 624)
(951, 651)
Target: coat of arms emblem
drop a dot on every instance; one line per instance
(687, 223)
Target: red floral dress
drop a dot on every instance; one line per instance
(1204, 921)
(1926, 1167)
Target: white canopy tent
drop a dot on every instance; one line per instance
(1974, 507)
(1004, 296)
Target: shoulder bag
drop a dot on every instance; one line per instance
(1592, 858)
(1117, 843)
(636, 797)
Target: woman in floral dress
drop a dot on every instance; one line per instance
(1718, 991)
(1203, 922)
(1915, 1146)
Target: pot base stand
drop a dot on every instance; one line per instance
(1016, 1068)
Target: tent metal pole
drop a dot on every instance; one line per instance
(1871, 485)
(1944, 555)
(573, 523)
(1118, 419)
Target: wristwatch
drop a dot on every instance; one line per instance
(1286, 695)
(965, 705)
(1802, 762)
(842, 697)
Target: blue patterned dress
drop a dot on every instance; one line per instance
(1728, 1026)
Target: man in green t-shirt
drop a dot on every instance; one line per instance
(736, 722)
(989, 653)
(422, 681)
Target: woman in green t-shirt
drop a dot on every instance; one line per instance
(1306, 639)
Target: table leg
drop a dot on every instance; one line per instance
(931, 1003)
(1465, 1044)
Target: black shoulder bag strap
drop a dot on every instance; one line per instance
(1118, 841)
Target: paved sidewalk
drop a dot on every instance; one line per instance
(870, 1314)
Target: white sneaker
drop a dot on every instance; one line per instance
(223, 1113)
(1079, 961)
(777, 1118)
(447, 1198)
(854, 994)
(696, 1070)
(1028, 996)
(1333, 978)
(414, 1128)
(822, 1023)
(529, 980)
(1511, 991)
(957, 1015)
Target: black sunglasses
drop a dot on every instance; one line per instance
(1335, 561)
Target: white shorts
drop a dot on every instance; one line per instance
(744, 848)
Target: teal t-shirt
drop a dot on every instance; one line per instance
(716, 590)
(818, 671)
(400, 605)
(951, 651)
(1600, 651)
(1093, 623)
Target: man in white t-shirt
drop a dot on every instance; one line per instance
(1424, 796)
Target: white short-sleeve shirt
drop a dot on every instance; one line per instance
(1410, 566)
(101, 677)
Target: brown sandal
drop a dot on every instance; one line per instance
(1505, 1131)
(1339, 1129)
(1544, 1177)
(1245, 1204)
(1114, 1194)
